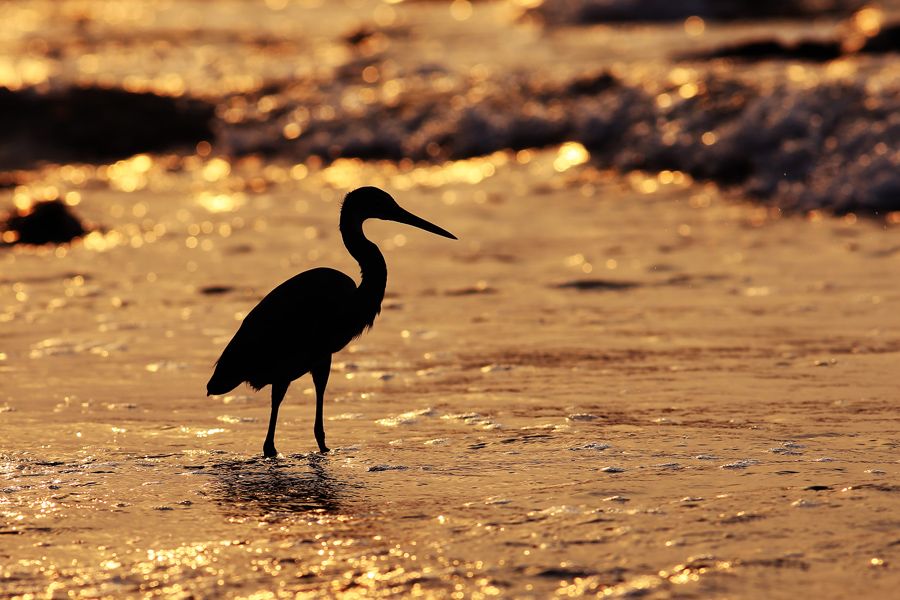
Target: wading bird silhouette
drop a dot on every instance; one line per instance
(296, 328)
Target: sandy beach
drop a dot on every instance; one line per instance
(625, 379)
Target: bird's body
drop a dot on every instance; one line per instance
(267, 347)
(296, 328)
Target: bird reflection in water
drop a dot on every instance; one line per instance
(278, 488)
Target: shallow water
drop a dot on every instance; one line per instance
(619, 383)
(662, 394)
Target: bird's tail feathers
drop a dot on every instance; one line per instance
(222, 381)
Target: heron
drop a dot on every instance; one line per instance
(297, 327)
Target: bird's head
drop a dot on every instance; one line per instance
(372, 203)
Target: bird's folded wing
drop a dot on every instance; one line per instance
(294, 324)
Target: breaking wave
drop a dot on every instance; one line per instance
(829, 145)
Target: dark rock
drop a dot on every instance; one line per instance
(807, 50)
(610, 11)
(95, 124)
(597, 285)
(215, 290)
(45, 223)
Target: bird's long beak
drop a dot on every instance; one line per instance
(404, 216)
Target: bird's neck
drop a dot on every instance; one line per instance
(371, 263)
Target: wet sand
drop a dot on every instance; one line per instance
(618, 383)
(664, 392)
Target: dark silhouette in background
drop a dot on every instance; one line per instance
(43, 223)
(95, 124)
(301, 323)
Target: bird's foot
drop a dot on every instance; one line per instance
(270, 451)
(319, 432)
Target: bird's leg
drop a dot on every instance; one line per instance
(278, 392)
(320, 379)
